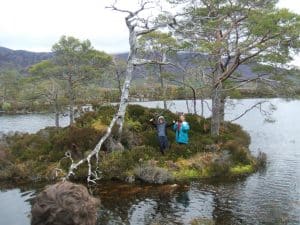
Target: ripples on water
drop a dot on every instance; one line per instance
(267, 197)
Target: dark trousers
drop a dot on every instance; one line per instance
(163, 143)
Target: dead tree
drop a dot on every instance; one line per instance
(136, 28)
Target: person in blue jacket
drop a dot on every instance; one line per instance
(182, 127)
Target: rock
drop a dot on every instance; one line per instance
(113, 145)
(130, 179)
(212, 147)
(170, 164)
(153, 174)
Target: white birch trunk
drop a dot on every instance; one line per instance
(120, 115)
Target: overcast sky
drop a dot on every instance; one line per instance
(35, 25)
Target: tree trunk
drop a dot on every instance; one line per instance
(71, 100)
(56, 108)
(127, 83)
(119, 84)
(4, 95)
(119, 117)
(216, 108)
(125, 95)
(202, 106)
(194, 100)
(56, 119)
(162, 85)
(222, 108)
(187, 106)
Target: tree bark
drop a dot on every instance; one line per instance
(162, 85)
(127, 83)
(71, 100)
(202, 106)
(119, 83)
(194, 101)
(216, 107)
(4, 95)
(222, 108)
(125, 95)
(56, 109)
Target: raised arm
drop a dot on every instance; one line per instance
(175, 126)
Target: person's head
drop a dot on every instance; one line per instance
(64, 203)
(181, 118)
(161, 119)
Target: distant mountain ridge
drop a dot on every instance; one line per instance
(21, 59)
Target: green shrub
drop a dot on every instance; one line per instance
(6, 106)
(186, 174)
(133, 125)
(241, 169)
(119, 163)
(74, 139)
(30, 146)
(104, 114)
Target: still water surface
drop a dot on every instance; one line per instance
(268, 197)
(30, 123)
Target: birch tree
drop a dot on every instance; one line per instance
(137, 27)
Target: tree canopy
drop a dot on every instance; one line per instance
(233, 32)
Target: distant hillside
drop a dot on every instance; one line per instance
(20, 59)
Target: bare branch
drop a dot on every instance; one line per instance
(257, 105)
(131, 14)
(244, 82)
(95, 153)
(207, 105)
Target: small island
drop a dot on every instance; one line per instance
(46, 155)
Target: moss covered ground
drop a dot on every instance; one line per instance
(41, 156)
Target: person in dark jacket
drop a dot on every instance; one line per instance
(161, 127)
(181, 127)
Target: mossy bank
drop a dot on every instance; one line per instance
(41, 156)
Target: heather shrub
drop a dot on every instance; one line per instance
(135, 154)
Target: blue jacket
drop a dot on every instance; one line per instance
(182, 134)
